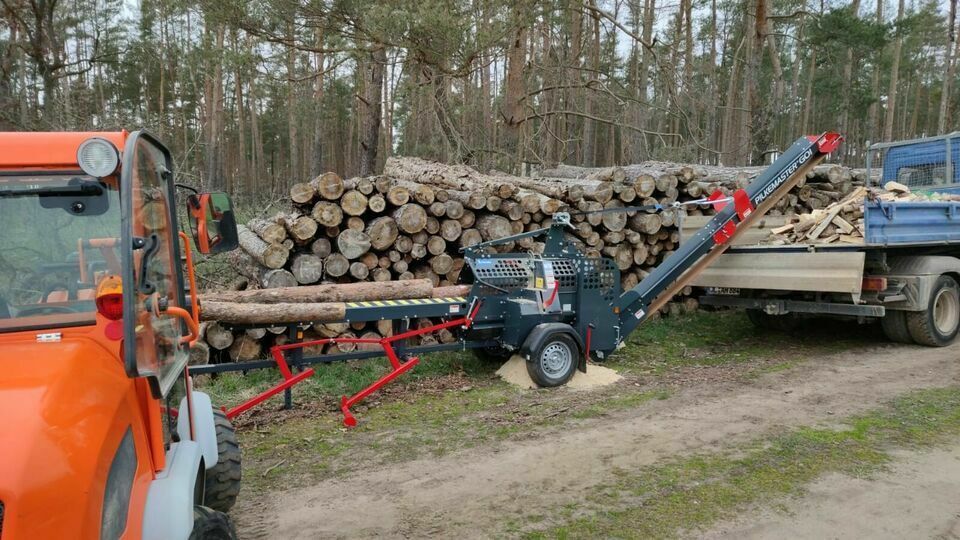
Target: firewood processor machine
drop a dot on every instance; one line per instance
(556, 309)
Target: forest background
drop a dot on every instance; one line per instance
(253, 96)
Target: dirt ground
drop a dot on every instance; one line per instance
(476, 492)
(916, 498)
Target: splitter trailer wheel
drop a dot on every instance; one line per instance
(554, 361)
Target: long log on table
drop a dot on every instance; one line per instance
(348, 292)
(238, 313)
(287, 312)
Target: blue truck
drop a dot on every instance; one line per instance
(905, 273)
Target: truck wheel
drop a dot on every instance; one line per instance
(937, 325)
(894, 324)
(209, 524)
(223, 479)
(554, 361)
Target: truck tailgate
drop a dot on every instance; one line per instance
(840, 272)
(765, 267)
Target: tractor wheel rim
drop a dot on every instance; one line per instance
(946, 311)
(556, 359)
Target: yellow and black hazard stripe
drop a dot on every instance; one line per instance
(412, 302)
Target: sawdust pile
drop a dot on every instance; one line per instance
(515, 372)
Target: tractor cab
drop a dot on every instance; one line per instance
(103, 436)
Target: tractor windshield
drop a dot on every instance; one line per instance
(58, 234)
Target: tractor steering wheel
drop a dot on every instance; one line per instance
(71, 288)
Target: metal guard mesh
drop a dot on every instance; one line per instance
(600, 274)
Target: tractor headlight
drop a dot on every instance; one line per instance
(98, 157)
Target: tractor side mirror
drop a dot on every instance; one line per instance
(212, 222)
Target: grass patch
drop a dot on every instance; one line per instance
(719, 338)
(693, 492)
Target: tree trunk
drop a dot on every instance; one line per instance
(270, 231)
(512, 111)
(847, 80)
(894, 78)
(316, 164)
(951, 61)
(293, 138)
(370, 143)
(410, 218)
(590, 125)
(212, 166)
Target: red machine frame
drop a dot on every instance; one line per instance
(398, 367)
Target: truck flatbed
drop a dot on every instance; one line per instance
(905, 271)
(891, 227)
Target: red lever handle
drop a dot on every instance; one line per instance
(553, 295)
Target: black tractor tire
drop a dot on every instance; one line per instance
(223, 479)
(208, 524)
(555, 360)
(894, 324)
(937, 325)
(780, 323)
(492, 354)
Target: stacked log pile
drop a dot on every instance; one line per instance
(410, 223)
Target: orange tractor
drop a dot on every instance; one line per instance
(103, 435)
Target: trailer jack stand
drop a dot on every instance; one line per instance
(398, 366)
(398, 369)
(289, 379)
